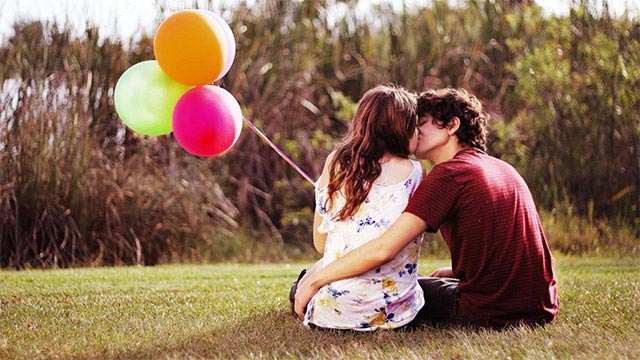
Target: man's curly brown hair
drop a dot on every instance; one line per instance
(445, 104)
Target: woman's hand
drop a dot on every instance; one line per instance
(304, 293)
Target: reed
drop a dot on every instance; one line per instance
(78, 188)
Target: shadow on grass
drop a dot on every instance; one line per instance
(277, 334)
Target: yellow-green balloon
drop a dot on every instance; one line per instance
(145, 97)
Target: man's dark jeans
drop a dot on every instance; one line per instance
(442, 301)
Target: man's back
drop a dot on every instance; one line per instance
(487, 216)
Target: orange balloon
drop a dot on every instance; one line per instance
(190, 47)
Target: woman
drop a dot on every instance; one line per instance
(365, 184)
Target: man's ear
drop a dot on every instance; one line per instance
(454, 125)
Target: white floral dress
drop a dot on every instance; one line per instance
(384, 298)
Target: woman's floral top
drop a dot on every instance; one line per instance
(384, 298)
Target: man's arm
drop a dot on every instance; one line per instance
(369, 256)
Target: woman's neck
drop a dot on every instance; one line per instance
(387, 157)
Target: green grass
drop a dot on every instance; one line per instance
(242, 311)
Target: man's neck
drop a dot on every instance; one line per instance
(448, 152)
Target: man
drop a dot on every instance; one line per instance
(502, 270)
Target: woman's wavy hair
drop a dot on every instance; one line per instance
(445, 104)
(385, 121)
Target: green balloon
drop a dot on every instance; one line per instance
(145, 97)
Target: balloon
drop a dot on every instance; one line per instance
(207, 120)
(144, 98)
(190, 47)
(230, 41)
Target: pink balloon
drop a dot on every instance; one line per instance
(231, 43)
(207, 120)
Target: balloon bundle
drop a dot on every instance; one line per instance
(193, 49)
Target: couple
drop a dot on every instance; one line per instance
(373, 206)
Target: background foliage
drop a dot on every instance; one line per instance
(78, 188)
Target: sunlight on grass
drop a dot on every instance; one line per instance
(242, 311)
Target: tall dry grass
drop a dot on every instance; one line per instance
(78, 188)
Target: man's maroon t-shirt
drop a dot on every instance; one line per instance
(489, 221)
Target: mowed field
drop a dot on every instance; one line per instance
(242, 311)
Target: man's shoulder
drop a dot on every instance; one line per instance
(466, 160)
(473, 165)
(473, 158)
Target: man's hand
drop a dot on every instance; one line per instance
(304, 293)
(446, 272)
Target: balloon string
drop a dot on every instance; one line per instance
(277, 150)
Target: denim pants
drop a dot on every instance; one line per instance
(442, 301)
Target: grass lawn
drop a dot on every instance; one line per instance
(242, 311)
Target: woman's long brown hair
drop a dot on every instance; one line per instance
(385, 121)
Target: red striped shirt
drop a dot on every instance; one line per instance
(487, 217)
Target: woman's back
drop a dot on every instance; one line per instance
(387, 297)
